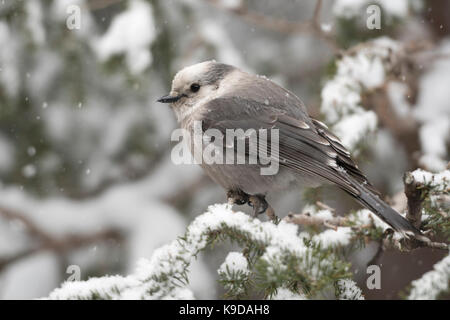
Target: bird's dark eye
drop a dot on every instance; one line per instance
(195, 87)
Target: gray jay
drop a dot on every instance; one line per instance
(224, 97)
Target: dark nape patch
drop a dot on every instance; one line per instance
(217, 72)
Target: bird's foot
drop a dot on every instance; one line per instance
(260, 205)
(238, 197)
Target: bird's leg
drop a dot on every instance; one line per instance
(260, 205)
(238, 197)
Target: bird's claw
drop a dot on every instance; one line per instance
(258, 203)
(237, 197)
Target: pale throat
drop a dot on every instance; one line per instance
(191, 105)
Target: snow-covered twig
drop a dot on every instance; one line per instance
(414, 195)
(435, 182)
(306, 219)
(348, 290)
(362, 222)
(432, 283)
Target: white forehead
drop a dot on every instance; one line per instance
(191, 73)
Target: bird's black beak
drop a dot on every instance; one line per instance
(169, 99)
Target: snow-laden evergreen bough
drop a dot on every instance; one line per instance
(278, 256)
(280, 262)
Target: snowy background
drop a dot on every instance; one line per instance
(86, 179)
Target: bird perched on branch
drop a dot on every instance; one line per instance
(224, 98)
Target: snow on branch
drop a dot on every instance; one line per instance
(233, 273)
(341, 230)
(436, 182)
(359, 225)
(361, 69)
(286, 294)
(428, 201)
(283, 258)
(348, 290)
(432, 283)
(420, 186)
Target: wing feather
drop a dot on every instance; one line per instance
(304, 146)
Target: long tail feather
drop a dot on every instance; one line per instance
(375, 204)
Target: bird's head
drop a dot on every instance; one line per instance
(195, 84)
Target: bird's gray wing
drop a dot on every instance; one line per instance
(305, 146)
